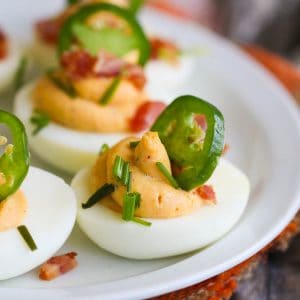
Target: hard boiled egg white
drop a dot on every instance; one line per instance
(50, 218)
(164, 79)
(166, 237)
(64, 148)
(9, 64)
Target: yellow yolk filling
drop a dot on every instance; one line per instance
(12, 211)
(84, 112)
(158, 198)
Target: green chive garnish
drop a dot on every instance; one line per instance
(125, 174)
(121, 171)
(167, 174)
(141, 221)
(24, 232)
(103, 149)
(39, 120)
(129, 182)
(20, 73)
(133, 145)
(101, 193)
(110, 91)
(118, 167)
(64, 86)
(131, 200)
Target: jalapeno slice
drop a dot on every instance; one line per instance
(193, 151)
(14, 162)
(113, 40)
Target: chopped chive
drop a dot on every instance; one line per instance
(103, 149)
(129, 205)
(110, 91)
(24, 232)
(101, 193)
(129, 182)
(167, 174)
(141, 221)
(118, 167)
(64, 86)
(135, 5)
(132, 145)
(121, 171)
(20, 73)
(125, 174)
(40, 120)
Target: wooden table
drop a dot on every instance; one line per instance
(276, 279)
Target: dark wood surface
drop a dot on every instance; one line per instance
(278, 278)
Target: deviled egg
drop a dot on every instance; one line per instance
(37, 209)
(9, 59)
(47, 33)
(166, 70)
(165, 193)
(96, 96)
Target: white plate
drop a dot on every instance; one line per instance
(263, 131)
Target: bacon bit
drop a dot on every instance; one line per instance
(108, 65)
(206, 192)
(136, 75)
(226, 149)
(146, 115)
(78, 64)
(3, 45)
(201, 121)
(58, 265)
(48, 30)
(163, 49)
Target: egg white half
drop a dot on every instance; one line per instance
(64, 148)
(50, 218)
(166, 237)
(164, 79)
(9, 64)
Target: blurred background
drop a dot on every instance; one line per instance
(273, 24)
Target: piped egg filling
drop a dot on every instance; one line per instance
(159, 199)
(95, 99)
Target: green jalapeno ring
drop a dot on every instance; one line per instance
(176, 125)
(66, 34)
(14, 165)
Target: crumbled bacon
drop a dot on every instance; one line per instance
(201, 121)
(135, 74)
(206, 192)
(48, 29)
(146, 115)
(164, 49)
(80, 64)
(58, 265)
(3, 45)
(108, 65)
